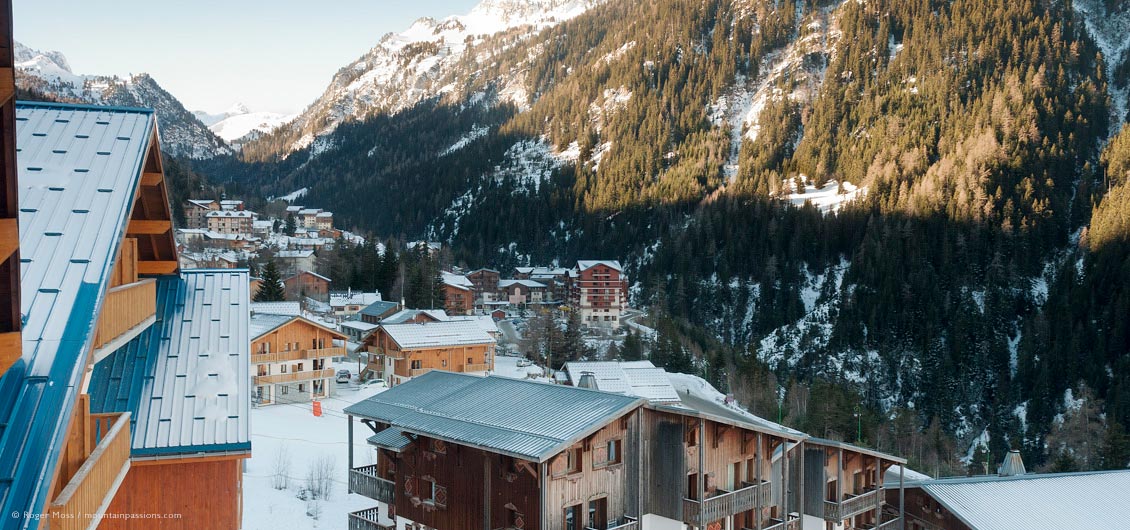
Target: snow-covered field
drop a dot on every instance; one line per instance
(305, 439)
(828, 198)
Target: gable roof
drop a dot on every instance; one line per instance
(1055, 500)
(635, 378)
(404, 315)
(292, 309)
(436, 334)
(377, 309)
(588, 264)
(314, 274)
(525, 283)
(458, 281)
(485, 322)
(202, 203)
(185, 380)
(261, 324)
(496, 414)
(79, 170)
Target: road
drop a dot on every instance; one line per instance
(509, 333)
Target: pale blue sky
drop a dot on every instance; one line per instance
(271, 55)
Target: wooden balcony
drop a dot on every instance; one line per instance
(91, 488)
(417, 372)
(305, 375)
(726, 503)
(852, 505)
(367, 520)
(125, 308)
(364, 481)
(476, 367)
(296, 355)
(793, 523)
(627, 523)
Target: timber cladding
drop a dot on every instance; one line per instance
(205, 494)
(601, 476)
(444, 485)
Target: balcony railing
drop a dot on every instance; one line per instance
(364, 481)
(125, 307)
(296, 355)
(367, 520)
(306, 375)
(417, 372)
(625, 523)
(91, 488)
(476, 367)
(853, 505)
(776, 524)
(726, 503)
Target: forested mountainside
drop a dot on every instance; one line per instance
(47, 75)
(964, 276)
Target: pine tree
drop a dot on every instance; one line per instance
(271, 289)
(291, 225)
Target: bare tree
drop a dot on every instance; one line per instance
(280, 473)
(319, 477)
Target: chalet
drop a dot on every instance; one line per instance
(485, 286)
(102, 292)
(262, 228)
(460, 452)
(307, 218)
(1094, 499)
(357, 330)
(456, 451)
(229, 205)
(196, 211)
(293, 261)
(324, 221)
(459, 294)
(844, 485)
(306, 284)
(289, 358)
(416, 316)
(599, 290)
(232, 222)
(554, 278)
(522, 292)
(485, 323)
(399, 352)
(350, 303)
(375, 312)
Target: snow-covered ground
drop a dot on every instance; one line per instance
(829, 198)
(238, 126)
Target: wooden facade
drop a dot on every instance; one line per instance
(396, 365)
(307, 284)
(296, 356)
(182, 493)
(10, 342)
(458, 300)
(844, 484)
(923, 512)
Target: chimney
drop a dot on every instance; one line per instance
(1013, 465)
(588, 380)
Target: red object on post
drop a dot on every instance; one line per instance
(318, 408)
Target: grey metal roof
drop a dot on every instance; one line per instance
(79, 168)
(377, 309)
(588, 264)
(524, 419)
(1062, 500)
(526, 283)
(391, 439)
(852, 447)
(637, 378)
(186, 379)
(262, 323)
(404, 315)
(276, 308)
(437, 334)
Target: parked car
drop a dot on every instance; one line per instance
(343, 376)
(373, 382)
(524, 363)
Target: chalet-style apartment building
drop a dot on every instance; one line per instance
(599, 291)
(459, 294)
(413, 343)
(290, 358)
(456, 451)
(111, 327)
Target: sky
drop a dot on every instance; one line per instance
(271, 55)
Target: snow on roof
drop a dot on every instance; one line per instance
(261, 324)
(343, 299)
(291, 254)
(309, 211)
(526, 283)
(314, 274)
(325, 214)
(457, 280)
(437, 334)
(229, 213)
(294, 209)
(203, 203)
(1055, 500)
(404, 315)
(79, 167)
(231, 202)
(376, 309)
(359, 325)
(637, 378)
(276, 308)
(262, 224)
(588, 264)
(195, 360)
(485, 322)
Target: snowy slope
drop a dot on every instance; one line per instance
(181, 132)
(238, 128)
(1111, 32)
(428, 59)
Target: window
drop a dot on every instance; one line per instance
(258, 392)
(572, 460)
(613, 448)
(598, 513)
(443, 363)
(282, 369)
(284, 389)
(416, 365)
(264, 369)
(301, 387)
(299, 369)
(573, 517)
